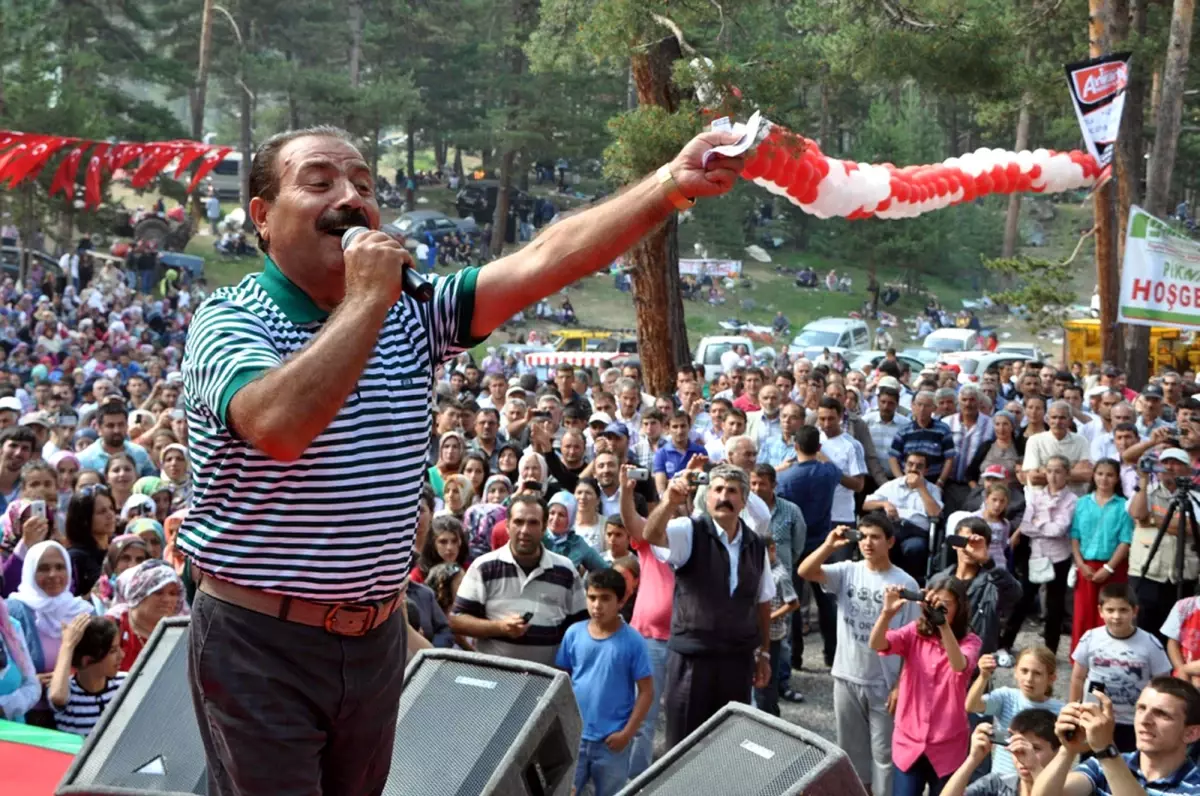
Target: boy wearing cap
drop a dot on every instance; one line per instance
(1150, 416)
(1157, 588)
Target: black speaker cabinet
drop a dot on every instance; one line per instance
(147, 742)
(479, 725)
(746, 752)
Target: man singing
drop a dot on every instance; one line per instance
(308, 402)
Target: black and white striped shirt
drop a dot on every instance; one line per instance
(337, 524)
(84, 709)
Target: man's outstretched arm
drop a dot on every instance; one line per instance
(584, 243)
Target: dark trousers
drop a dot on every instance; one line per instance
(910, 551)
(915, 781)
(698, 686)
(1056, 606)
(1155, 601)
(767, 699)
(826, 613)
(288, 709)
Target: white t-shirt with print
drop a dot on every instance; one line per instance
(1124, 665)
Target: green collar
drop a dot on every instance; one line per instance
(294, 302)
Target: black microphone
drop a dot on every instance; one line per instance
(414, 284)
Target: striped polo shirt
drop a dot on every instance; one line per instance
(84, 709)
(495, 587)
(337, 524)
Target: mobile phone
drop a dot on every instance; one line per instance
(955, 540)
(534, 485)
(913, 596)
(852, 536)
(541, 414)
(639, 473)
(177, 414)
(525, 617)
(1097, 687)
(696, 478)
(38, 507)
(999, 735)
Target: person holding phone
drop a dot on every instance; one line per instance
(991, 590)
(1030, 740)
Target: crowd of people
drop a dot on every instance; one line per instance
(583, 523)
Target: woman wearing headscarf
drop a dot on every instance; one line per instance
(27, 530)
(152, 534)
(158, 489)
(20, 688)
(533, 468)
(125, 552)
(451, 447)
(456, 497)
(147, 594)
(66, 466)
(497, 489)
(561, 537)
(478, 523)
(43, 603)
(177, 471)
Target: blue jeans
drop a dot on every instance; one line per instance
(913, 781)
(608, 770)
(642, 748)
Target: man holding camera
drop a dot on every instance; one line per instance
(1157, 588)
(720, 634)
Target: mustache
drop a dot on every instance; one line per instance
(725, 504)
(340, 219)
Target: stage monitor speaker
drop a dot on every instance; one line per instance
(745, 751)
(147, 741)
(479, 725)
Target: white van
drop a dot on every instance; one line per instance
(839, 335)
(225, 178)
(952, 339)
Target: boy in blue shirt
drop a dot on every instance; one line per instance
(609, 665)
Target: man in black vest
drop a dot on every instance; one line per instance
(720, 623)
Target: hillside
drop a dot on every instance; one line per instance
(598, 303)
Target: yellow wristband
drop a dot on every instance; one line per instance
(674, 195)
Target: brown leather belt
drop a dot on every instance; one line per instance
(341, 619)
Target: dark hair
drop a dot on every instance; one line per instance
(1183, 691)
(110, 408)
(890, 367)
(679, 414)
(832, 403)
(607, 580)
(653, 414)
(20, 434)
(427, 496)
(688, 369)
(592, 484)
(735, 412)
(765, 471)
(892, 391)
(615, 520)
(96, 641)
(753, 371)
(531, 500)
(723, 401)
(573, 412)
(1039, 722)
(429, 557)
(565, 367)
(1064, 375)
(117, 457)
(1118, 591)
(1125, 427)
(961, 625)
(439, 579)
(1118, 490)
(79, 516)
(786, 375)
(264, 168)
(977, 526)
(877, 519)
(488, 411)
(808, 440)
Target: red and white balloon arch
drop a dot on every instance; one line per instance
(794, 167)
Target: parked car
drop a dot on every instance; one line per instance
(1024, 351)
(926, 356)
(839, 335)
(478, 199)
(225, 178)
(709, 350)
(952, 339)
(416, 224)
(10, 263)
(872, 359)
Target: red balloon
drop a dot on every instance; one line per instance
(1035, 171)
(883, 206)
(1023, 183)
(778, 162)
(1000, 179)
(810, 195)
(787, 173)
(983, 184)
(804, 175)
(756, 164)
(1014, 172)
(822, 164)
(943, 186)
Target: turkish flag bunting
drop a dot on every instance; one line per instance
(68, 171)
(91, 195)
(12, 157)
(9, 137)
(211, 160)
(189, 156)
(125, 154)
(157, 160)
(31, 165)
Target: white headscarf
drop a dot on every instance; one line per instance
(532, 455)
(51, 612)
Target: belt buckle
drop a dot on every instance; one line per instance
(350, 619)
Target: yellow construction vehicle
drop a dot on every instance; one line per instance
(1169, 347)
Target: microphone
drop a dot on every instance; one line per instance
(414, 284)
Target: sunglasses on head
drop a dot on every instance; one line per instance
(95, 489)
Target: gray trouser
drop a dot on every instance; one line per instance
(864, 731)
(292, 710)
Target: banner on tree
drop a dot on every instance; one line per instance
(1098, 94)
(1160, 278)
(713, 268)
(23, 156)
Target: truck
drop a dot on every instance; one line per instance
(1172, 348)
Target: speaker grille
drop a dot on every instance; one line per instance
(744, 754)
(463, 712)
(149, 741)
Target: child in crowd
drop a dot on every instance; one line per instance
(992, 591)
(1120, 655)
(783, 603)
(616, 539)
(610, 671)
(993, 512)
(92, 646)
(1101, 533)
(631, 570)
(939, 653)
(1033, 744)
(862, 679)
(445, 543)
(1182, 630)
(1035, 671)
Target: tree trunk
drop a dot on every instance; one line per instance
(1130, 160)
(1012, 220)
(200, 90)
(410, 163)
(354, 12)
(1170, 109)
(458, 164)
(500, 217)
(247, 146)
(658, 301)
(1099, 16)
